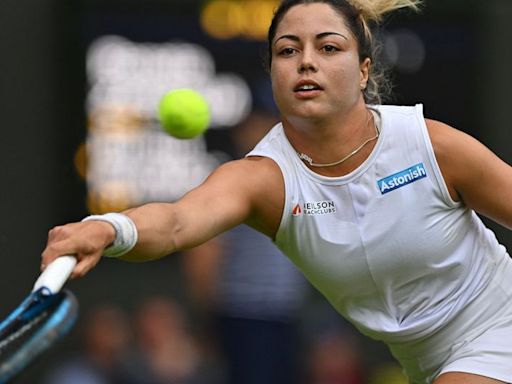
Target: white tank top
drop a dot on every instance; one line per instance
(386, 244)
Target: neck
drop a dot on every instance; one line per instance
(330, 140)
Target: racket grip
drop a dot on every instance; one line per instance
(56, 274)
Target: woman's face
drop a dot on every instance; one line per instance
(315, 70)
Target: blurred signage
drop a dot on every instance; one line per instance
(129, 159)
(227, 19)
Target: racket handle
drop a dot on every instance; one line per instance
(56, 274)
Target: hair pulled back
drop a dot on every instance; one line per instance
(361, 16)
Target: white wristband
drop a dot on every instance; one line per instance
(126, 233)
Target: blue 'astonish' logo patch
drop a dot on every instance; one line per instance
(402, 178)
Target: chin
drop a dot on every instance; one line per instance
(312, 113)
(297, 119)
(310, 110)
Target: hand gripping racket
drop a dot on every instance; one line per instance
(46, 315)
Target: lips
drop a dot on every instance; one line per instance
(307, 86)
(307, 90)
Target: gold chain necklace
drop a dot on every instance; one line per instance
(309, 160)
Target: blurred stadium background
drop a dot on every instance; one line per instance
(79, 82)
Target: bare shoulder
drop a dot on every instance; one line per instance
(445, 140)
(255, 174)
(472, 172)
(259, 181)
(262, 166)
(458, 154)
(444, 137)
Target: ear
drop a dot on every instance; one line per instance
(364, 70)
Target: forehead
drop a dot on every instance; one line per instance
(314, 18)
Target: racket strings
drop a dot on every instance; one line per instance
(17, 337)
(32, 328)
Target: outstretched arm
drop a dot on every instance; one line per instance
(473, 173)
(236, 192)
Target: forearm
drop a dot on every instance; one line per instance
(157, 228)
(140, 234)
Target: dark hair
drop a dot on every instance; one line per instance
(378, 83)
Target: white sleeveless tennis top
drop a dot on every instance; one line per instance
(386, 244)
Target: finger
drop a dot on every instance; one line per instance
(53, 250)
(57, 232)
(61, 232)
(85, 264)
(59, 248)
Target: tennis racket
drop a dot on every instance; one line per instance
(45, 316)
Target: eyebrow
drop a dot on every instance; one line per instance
(318, 36)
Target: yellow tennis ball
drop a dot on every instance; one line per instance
(184, 113)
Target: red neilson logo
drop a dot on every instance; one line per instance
(297, 210)
(314, 208)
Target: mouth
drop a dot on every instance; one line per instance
(307, 88)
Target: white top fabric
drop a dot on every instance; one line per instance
(386, 244)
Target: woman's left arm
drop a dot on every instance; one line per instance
(473, 173)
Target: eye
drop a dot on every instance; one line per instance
(288, 51)
(329, 48)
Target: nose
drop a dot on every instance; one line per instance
(307, 62)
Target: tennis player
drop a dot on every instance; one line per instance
(374, 203)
